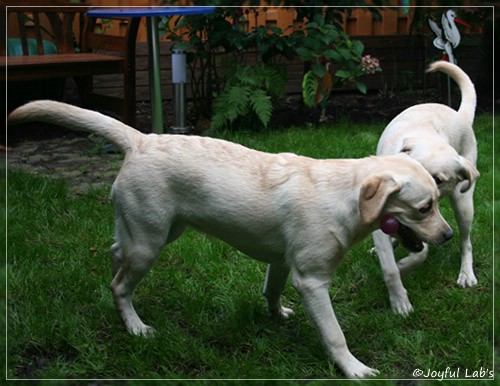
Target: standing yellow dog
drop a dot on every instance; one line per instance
(297, 214)
(443, 141)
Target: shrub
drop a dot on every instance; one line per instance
(247, 99)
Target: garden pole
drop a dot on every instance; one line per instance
(180, 126)
(154, 75)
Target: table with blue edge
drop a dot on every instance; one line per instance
(152, 14)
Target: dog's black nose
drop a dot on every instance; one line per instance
(448, 234)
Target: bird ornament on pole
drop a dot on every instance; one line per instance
(447, 38)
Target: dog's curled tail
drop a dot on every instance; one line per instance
(468, 104)
(75, 118)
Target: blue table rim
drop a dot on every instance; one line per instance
(148, 11)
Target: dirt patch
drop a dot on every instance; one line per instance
(84, 162)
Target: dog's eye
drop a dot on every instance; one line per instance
(426, 208)
(438, 180)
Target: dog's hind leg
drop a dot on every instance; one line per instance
(273, 288)
(463, 206)
(139, 241)
(136, 262)
(116, 257)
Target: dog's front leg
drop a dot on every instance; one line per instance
(398, 295)
(313, 290)
(273, 289)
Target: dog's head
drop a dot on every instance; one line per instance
(449, 169)
(405, 190)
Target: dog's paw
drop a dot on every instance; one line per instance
(466, 279)
(367, 372)
(403, 309)
(142, 330)
(283, 313)
(401, 305)
(360, 371)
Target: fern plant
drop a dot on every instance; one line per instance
(247, 98)
(309, 88)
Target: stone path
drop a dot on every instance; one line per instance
(81, 161)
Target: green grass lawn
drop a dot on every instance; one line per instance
(205, 299)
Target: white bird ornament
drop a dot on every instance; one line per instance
(451, 37)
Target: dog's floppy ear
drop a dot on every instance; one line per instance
(374, 192)
(468, 173)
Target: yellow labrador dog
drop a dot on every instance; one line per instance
(443, 141)
(298, 214)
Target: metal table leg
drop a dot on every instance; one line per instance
(155, 75)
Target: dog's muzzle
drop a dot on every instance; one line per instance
(409, 240)
(447, 235)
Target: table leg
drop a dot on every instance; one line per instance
(155, 75)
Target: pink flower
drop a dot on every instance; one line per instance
(369, 64)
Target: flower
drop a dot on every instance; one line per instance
(369, 64)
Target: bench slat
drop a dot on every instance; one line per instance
(60, 65)
(60, 59)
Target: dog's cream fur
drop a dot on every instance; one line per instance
(443, 141)
(298, 214)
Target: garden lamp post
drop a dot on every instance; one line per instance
(181, 125)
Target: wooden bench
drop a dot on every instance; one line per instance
(82, 52)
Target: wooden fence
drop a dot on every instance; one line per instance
(394, 20)
(403, 56)
(360, 22)
(403, 59)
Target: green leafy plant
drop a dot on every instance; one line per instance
(105, 25)
(322, 43)
(217, 43)
(310, 84)
(333, 58)
(247, 99)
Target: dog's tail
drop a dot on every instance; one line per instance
(468, 105)
(75, 118)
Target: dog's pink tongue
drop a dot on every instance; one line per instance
(389, 224)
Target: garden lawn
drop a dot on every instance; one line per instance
(205, 298)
